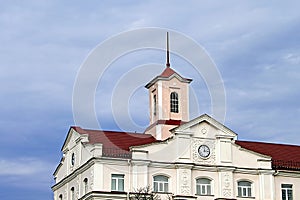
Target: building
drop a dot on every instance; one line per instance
(177, 158)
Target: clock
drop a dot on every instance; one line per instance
(204, 151)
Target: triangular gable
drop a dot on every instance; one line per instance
(225, 131)
(69, 136)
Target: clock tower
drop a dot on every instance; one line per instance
(168, 101)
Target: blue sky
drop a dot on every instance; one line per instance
(254, 44)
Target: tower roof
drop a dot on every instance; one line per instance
(168, 74)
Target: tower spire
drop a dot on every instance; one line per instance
(168, 52)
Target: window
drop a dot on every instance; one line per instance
(73, 159)
(85, 186)
(244, 189)
(117, 182)
(203, 186)
(174, 102)
(154, 105)
(72, 193)
(161, 183)
(287, 191)
(60, 197)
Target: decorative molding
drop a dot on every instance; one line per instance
(227, 184)
(91, 178)
(65, 194)
(185, 180)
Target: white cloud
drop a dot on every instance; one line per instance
(21, 167)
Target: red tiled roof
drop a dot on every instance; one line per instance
(283, 156)
(115, 139)
(169, 72)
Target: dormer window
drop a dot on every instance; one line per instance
(174, 102)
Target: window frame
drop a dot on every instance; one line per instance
(174, 102)
(154, 105)
(286, 188)
(119, 180)
(204, 189)
(161, 186)
(245, 190)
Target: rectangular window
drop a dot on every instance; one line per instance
(287, 191)
(117, 182)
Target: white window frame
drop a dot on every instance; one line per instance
(119, 182)
(161, 185)
(243, 190)
(203, 188)
(285, 189)
(174, 102)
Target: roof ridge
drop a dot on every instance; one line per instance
(111, 131)
(270, 143)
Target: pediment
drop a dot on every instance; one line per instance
(70, 140)
(205, 126)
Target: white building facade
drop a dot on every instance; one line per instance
(175, 157)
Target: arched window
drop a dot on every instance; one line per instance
(244, 189)
(72, 193)
(60, 197)
(161, 183)
(174, 102)
(85, 186)
(203, 186)
(154, 104)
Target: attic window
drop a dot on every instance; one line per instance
(174, 102)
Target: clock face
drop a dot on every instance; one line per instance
(204, 151)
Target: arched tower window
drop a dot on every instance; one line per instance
(174, 102)
(154, 104)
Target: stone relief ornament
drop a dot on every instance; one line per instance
(77, 182)
(91, 179)
(185, 188)
(65, 194)
(204, 130)
(211, 158)
(227, 184)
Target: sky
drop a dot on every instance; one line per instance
(255, 46)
